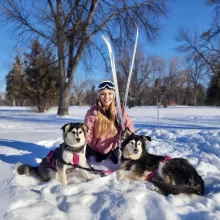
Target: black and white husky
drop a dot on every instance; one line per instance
(171, 176)
(70, 152)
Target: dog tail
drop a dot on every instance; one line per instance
(167, 189)
(27, 170)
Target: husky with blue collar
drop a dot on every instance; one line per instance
(71, 152)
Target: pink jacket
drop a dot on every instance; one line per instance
(103, 144)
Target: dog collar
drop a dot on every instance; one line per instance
(73, 150)
(125, 159)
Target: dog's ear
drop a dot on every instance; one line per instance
(126, 133)
(148, 138)
(85, 127)
(66, 127)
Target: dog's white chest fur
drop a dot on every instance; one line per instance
(160, 169)
(68, 156)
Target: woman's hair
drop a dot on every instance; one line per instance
(106, 120)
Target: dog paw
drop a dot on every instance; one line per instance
(154, 188)
(64, 182)
(88, 178)
(120, 176)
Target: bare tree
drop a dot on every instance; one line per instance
(196, 71)
(140, 76)
(168, 80)
(159, 71)
(183, 89)
(207, 44)
(91, 95)
(214, 31)
(194, 44)
(172, 81)
(79, 88)
(72, 26)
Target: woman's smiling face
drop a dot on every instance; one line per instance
(106, 97)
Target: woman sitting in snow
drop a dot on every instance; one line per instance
(104, 128)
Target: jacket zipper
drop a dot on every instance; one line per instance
(96, 142)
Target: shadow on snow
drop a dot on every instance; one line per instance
(32, 152)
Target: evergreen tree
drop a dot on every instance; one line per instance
(42, 77)
(213, 91)
(15, 81)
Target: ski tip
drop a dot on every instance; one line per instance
(136, 25)
(136, 28)
(105, 38)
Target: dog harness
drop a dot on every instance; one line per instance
(154, 173)
(50, 158)
(51, 155)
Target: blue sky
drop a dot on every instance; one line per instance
(186, 13)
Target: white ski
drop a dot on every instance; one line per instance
(130, 71)
(112, 60)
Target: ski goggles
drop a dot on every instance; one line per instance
(106, 84)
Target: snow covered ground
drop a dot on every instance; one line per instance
(26, 137)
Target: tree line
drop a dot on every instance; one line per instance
(34, 81)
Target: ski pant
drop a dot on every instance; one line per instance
(112, 155)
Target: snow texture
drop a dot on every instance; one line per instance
(26, 137)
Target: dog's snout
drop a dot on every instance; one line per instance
(78, 139)
(136, 150)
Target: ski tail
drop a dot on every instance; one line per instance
(167, 189)
(27, 170)
(131, 68)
